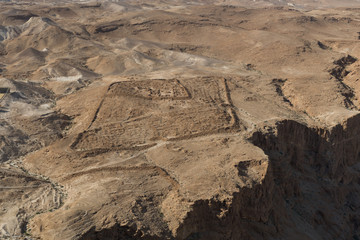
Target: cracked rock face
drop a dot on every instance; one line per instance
(174, 120)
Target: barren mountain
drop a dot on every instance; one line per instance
(180, 120)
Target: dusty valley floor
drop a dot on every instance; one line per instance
(180, 120)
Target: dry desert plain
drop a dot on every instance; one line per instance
(179, 119)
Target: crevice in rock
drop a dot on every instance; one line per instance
(323, 46)
(279, 84)
(339, 72)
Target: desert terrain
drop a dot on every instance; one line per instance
(191, 120)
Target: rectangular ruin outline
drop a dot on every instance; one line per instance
(227, 104)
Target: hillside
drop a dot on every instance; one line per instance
(180, 120)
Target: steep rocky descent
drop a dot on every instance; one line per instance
(316, 174)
